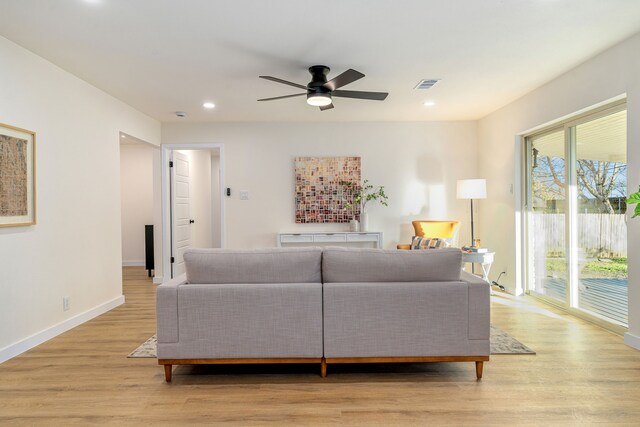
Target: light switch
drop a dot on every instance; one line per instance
(244, 195)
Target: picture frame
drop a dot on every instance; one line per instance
(17, 176)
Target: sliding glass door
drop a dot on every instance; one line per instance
(576, 224)
(548, 246)
(601, 228)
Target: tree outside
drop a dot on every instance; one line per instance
(602, 184)
(602, 189)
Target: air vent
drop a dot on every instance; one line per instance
(427, 84)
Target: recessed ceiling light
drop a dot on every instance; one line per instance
(429, 103)
(122, 136)
(209, 105)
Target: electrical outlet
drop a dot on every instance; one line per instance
(244, 195)
(66, 303)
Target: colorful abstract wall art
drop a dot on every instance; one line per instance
(321, 193)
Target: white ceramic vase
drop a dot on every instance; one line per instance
(364, 221)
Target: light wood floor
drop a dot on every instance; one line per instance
(581, 375)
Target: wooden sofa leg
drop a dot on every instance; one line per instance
(479, 366)
(167, 373)
(323, 367)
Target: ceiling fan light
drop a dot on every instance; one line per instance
(319, 99)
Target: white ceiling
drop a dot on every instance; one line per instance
(161, 56)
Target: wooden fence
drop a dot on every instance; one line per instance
(602, 235)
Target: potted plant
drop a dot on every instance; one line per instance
(364, 194)
(634, 199)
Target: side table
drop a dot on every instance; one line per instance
(485, 259)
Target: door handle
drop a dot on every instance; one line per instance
(191, 221)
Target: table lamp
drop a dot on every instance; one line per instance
(472, 189)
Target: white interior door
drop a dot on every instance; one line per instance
(180, 211)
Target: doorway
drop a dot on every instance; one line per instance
(193, 201)
(139, 202)
(575, 207)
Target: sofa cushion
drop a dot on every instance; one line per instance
(273, 265)
(420, 242)
(341, 265)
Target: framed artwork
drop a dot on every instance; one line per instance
(17, 176)
(321, 194)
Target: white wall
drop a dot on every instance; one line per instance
(418, 163)
(200, 192)
(614, 72)
(74, 250)
(136, 195)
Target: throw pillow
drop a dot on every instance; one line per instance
(419, 242)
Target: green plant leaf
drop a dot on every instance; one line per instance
(636, 212)
(367, 192)
(634, 198)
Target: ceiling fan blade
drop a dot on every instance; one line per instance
(277, 80)
(281, 97)
(326, 107)
(345, 78)
(373, 96)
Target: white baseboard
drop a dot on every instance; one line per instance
(133, 263)
(511, 291)
(632, 340)
(157, 280)
(28, 343)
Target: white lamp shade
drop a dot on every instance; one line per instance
(472, 189)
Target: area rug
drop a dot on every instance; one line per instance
(501, 343)
(147, 349)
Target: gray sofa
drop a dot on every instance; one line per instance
(313, 305)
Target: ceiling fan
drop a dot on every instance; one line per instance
(319, 91)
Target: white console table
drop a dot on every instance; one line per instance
(338, 238)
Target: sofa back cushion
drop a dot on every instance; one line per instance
(346, 265)
(273, 265)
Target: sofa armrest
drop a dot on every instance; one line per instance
(479, 306)
(167, 309)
